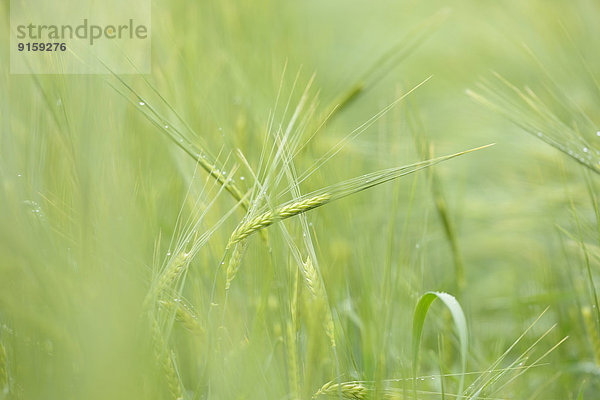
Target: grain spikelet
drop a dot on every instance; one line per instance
(590, 326)
(164, 359)
(349, 390)
(234, 263)
(3, 369)
(184, 315)
(315, 286)
(268, 218)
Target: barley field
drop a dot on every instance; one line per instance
(310, 200)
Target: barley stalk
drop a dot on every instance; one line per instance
(349, 390)
(292, 349)
(180, 140)
(292, 359)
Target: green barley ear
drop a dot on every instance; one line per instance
(315, 286)
(235, 261)
(176, 266)
(331, 193)
(268, 218)
(165, 360)
(173, 271)
(348, 390)
(184, 315)
(3, 369)
(592, 331)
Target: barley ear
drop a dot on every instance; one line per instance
(3, 369)
(592, 332)
(315, 286)
(349, 390)
(246, 228)
(173, 270)
(184, 315)
(234, 262)
(165, 361)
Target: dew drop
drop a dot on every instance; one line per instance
(141, 103)
(166, 126)
(242, 178)
(598, 133)
(168, 253)
(539, 134)
(585, 150)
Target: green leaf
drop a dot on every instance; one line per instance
(459, 321)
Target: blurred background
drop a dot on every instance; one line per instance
(94, 199)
